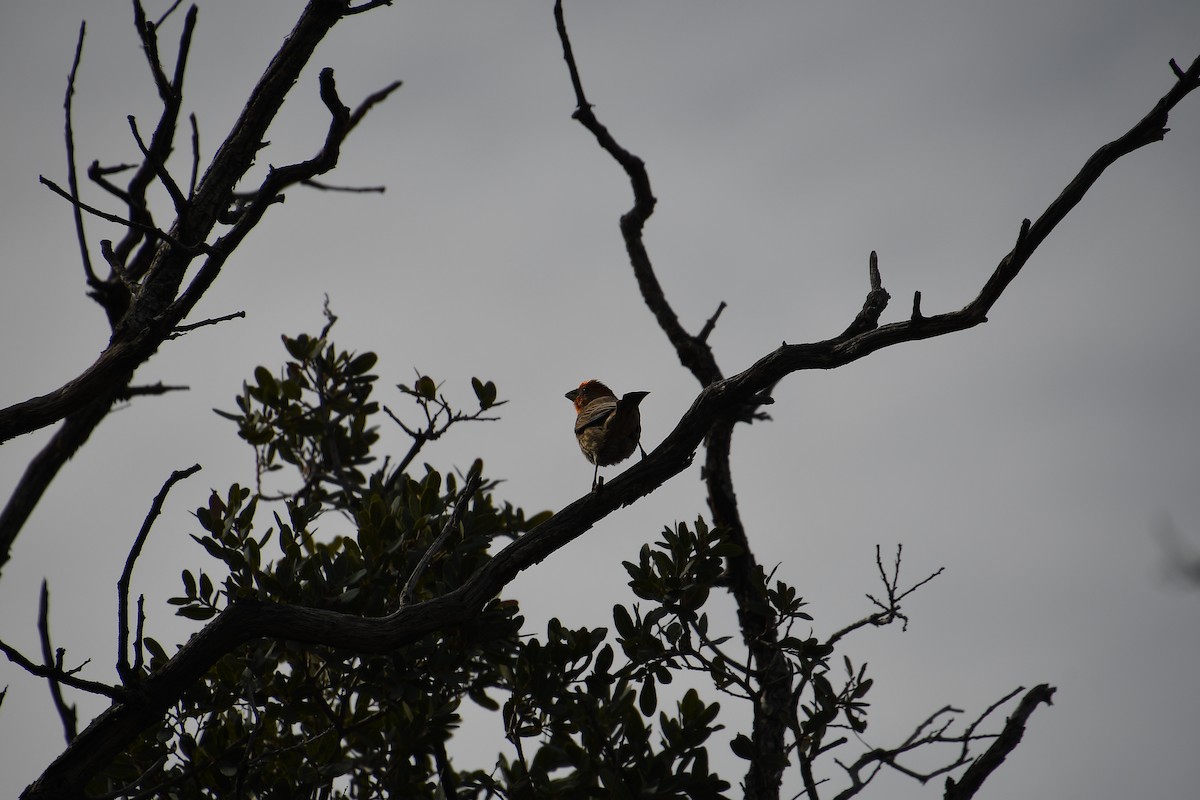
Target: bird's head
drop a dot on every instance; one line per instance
(587, 392)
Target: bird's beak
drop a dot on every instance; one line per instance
(571, 395)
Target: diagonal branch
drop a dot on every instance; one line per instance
(464, 497)
(692, 350)
(1009, 738)
(142, 321)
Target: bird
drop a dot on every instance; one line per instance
(608, 430)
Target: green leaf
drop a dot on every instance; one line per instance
(297, 348)
(196, 612)
(624, 623)
(155, 649)
(189, 584)
(648, 697)
(362, 363)
(486, 392)
(742, 747)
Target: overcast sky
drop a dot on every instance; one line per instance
(1037, 458)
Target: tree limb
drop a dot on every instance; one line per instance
(994, 756)
(123, 668)
(53, 664)
(143, 319)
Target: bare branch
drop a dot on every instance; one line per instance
(889, 611)
(160, 169)
(994, 756)
(367, 6)
(874, 305)
(72, 177)
(326, 187)
(692, 351)
(129, 392)
(199, 247)
(64, 677)
(180, 330)
(66, 713)
(195, 155)
(123, 669)
(711, 323)
(142, 322)
(42, 468)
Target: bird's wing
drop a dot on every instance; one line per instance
(595, 412)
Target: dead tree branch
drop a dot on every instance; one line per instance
(142, 296)
(1009, 738)
(128, 676)
(54, 664)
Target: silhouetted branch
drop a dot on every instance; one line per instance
(692, 350)
(130, 392)
(128, 223)
(326, 187)
(182, 329)
(72, 177)
(874, 305)
(889, 610)
(143, 319)
(1009, 738)
(123, 668)
(66, 713)
(55, 672)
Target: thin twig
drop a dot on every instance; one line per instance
(888, 611)
(66, 713)
(326, 187)
(195, 156)
(460, 506)
(711, 323)
(180, 330)
(130, 392)
(123, 669)
(200, 247)
(160, 169)
(67, 678)
(72, 177)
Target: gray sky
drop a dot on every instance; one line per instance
(1034, 457)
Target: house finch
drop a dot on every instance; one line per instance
(606, 428)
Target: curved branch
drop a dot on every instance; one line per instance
(692, 350)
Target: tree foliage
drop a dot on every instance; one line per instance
(580, 706)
